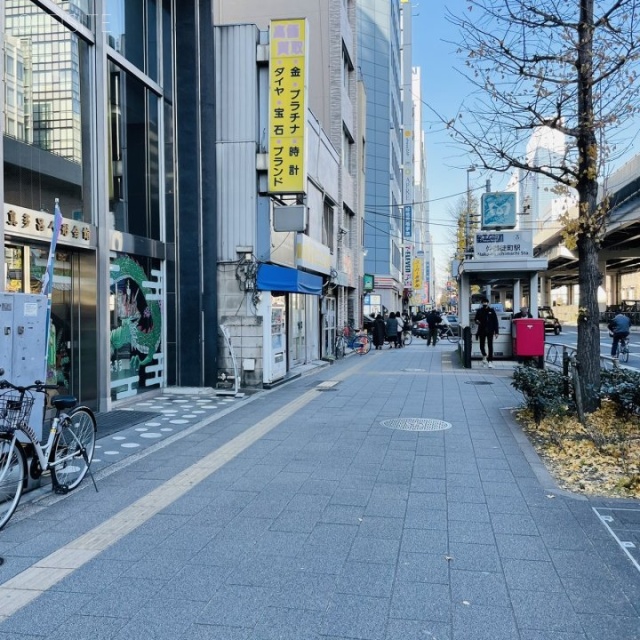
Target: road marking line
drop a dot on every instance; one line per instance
(28, 585)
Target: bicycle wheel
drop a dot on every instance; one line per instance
(624, 351)
(13, 472)
(76, 438)
(407, 338)
(452, 336)
(340, 347)
(361, 345)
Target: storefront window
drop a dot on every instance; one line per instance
(13, 269)
(136, 326)
(134, 154)
(48, 115)
(132, 26)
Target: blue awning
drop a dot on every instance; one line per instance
(283, 279)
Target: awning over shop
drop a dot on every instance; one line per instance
(273, 278)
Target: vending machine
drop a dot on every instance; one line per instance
(275, 343)
(23, 345)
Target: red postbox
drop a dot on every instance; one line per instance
(528, 336)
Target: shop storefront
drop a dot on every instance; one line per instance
(72, 336)
(290, 302)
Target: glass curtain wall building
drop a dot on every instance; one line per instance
(379, 57)
(89, 120)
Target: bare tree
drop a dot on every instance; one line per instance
(462, 210)
(572, 66)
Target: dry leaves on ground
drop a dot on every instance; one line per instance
(601, 458)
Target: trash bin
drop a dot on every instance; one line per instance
(528, 337)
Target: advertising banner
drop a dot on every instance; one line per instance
(287, 106)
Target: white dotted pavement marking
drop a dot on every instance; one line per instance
(25, 587)
(31, 583)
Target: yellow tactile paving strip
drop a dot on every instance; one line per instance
(24, 588)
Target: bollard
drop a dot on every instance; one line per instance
(466, 347)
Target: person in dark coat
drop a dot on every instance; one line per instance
(487, 321)
(379, 332)
(433, 321)
(392, 329)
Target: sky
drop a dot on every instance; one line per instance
(444, 90)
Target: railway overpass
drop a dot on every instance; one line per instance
(620, 250)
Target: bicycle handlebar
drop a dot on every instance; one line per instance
(38, 385)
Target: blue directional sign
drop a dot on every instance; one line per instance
(498, 210)
(408, 221)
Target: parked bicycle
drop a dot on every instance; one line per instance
(350, 340)
(67, 452)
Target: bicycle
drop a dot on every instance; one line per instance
(450, 334)
(407, 337)
(358, 342)
(622, 352)
(67, 453)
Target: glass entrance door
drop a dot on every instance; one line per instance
(298, 329)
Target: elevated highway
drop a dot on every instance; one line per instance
(620, 252)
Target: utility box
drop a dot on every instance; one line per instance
(528, 336)
(23, 345)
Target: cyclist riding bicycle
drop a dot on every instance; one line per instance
(618, 330)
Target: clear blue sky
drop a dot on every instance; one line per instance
(443, 89)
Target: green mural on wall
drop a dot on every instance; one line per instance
(136, 325)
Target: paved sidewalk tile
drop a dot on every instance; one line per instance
(300, 513)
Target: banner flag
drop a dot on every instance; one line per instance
(47, 279)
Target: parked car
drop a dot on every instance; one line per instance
(420, 329)
(551, 323)
(453, 321)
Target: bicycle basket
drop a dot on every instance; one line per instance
(15, 409)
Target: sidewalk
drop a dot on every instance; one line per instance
(386, 497)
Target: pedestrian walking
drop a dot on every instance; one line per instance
(392, 329)
(400, 323)
(487, 321)
(433, 322)
(379, 332)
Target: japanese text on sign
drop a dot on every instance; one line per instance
(39, 224)
(508, 244)
(287, 106)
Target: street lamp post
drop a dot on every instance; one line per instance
(467, 239)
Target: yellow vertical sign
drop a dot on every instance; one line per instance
(287, 106)
(417, 274)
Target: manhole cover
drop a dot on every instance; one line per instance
(478, 382)
(416, 424)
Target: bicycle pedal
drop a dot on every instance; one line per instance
(61, 489)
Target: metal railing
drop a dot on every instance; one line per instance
(558, 355)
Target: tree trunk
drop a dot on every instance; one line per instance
(589, 276)
(589, 323)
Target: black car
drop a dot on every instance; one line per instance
(551, 323)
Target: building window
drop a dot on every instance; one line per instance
(134, 190)
(328, 226)
(132, 28)
(50, 103)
